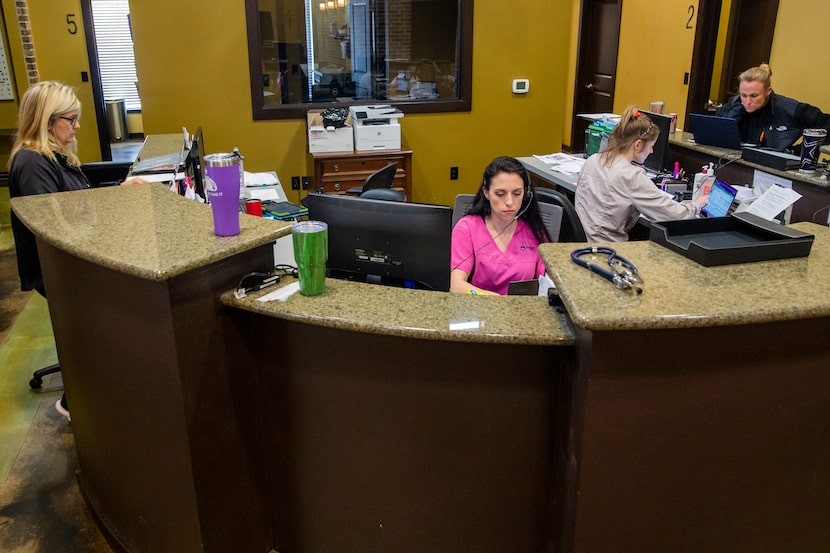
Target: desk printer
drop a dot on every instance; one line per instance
(376, 127)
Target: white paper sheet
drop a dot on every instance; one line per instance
(282, 293)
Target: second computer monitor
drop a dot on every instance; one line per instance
(658, 160)
(397, 243)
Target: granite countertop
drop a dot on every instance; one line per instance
(143, 229)
(686, 140)
(371, 308)
(680, 293)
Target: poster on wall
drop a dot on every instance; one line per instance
(6, 92)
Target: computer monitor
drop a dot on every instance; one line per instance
(658, 160)
(395, 243)
(195, 162)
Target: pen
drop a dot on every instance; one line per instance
(676, 169)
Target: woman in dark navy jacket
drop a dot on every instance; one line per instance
(769, 119)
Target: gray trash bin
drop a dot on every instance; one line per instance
(116, 119)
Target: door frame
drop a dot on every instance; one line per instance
(95, 81)
(584, 40)
(703, 56)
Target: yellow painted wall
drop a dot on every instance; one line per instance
(8, 108)
(653, 35)
(655, 51)
(62, 57)
(213, 90)
(801, 27)
(14, 58)
(199, 76)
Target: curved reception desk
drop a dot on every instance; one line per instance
(693, 417)
(700, 408)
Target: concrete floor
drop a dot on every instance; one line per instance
(41, 507)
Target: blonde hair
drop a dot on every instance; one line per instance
(41, 104)
(633, 125)
(760, 74)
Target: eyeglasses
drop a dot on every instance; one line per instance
(72, 120)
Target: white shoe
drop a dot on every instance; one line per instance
(62, 410)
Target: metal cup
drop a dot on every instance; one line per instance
(222, 184)
(311, 250)
(811, 141)
(656, 107)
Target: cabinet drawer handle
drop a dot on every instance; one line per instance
(337, 186)
(336, 166)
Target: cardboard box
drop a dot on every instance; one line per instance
(322, 139)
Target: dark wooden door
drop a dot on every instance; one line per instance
(599, 36)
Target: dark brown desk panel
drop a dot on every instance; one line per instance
(386, 443)
(164, 427)
(703, 439)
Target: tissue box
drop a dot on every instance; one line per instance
(322, 139)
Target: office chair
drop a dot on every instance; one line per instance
(382, 178)
(460, 207)
(571, 227)
(37, 377)
(387, 194)
(551, 214)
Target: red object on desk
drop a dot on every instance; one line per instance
(253, 207)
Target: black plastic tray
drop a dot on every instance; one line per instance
(741, 238)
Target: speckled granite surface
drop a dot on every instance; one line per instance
(143, 230)
(680, 293)
(420, 314)
(686, 140)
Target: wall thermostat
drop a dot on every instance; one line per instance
(521, 86)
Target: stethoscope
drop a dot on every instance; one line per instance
(623, 273)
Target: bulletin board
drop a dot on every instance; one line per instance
(6, 92)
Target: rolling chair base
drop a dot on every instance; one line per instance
(37, 377)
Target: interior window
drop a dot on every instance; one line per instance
(416, 54)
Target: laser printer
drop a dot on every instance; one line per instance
(376, 127)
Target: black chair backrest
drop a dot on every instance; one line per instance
(388, 194)
(571, 230)
(382, 178)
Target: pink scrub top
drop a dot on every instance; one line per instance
(473, 247)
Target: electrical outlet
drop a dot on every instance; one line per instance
(453, 173)
(306, 182)
(295, 183)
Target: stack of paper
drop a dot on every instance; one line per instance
(562, 162)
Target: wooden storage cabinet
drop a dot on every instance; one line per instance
(338, 172)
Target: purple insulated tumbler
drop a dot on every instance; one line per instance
(222, 183)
